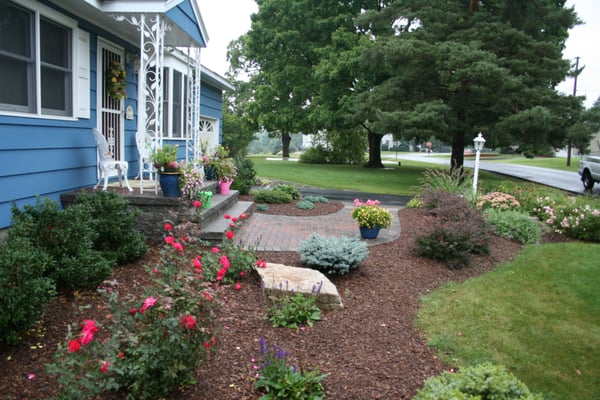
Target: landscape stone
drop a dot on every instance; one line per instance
(278, 280)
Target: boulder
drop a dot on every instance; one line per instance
(278, 280)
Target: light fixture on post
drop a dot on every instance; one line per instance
(478, 143)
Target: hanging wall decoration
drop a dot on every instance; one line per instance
(115, 81)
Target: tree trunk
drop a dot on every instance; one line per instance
(374, 150)
(458, 151)
(285, 142)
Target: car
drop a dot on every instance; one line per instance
(589, 170)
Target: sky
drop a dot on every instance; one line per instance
(226, 20)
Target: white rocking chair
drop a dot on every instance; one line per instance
(107, 163)
(146, 146)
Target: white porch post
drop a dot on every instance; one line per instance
(193, 141)
(150, 114)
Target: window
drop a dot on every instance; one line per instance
(32, 81)
(175, 103)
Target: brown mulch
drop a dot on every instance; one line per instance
(370, 349)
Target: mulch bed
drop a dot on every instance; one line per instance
(370, 349)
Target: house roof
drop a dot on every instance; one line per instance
(187, 26)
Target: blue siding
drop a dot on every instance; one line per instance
(183, 16)
(47, 157)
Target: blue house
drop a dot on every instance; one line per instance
(69, 66)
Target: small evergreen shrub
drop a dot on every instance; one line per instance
(246, 175)
(515, 225)
(485, 381)
(305, 205)
(457, 230)
(277, 379)
(262, 207)
(114, 221)
(68, 237)
(24, 290)
(294, 310)
(316, 199)
(332, 255)
(289, 189)
(272, 196)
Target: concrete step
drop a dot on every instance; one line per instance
(213, 230)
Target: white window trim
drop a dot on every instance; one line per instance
(42, 10)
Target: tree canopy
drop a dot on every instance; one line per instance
(414, 68)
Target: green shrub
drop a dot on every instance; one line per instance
(481, 382)
(262, 207)
(305, 205)
(332, 255)
(457, 230)
(113, 221)
(316, 199)
(294, 310)
(415, 202)
(68, 238)
(271, 196)
(289, 189)
(515, 225)
(246, 175)
(24, 290)
(279, 380)
(315, 155)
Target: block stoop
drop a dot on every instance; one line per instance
(213, 221)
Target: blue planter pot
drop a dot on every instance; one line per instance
(169, 184)
(368, 233)
(210, 173)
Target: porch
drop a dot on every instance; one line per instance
(158, 210)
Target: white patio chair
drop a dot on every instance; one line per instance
(106, 162)
(146, 146)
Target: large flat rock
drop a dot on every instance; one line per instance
(279, 280)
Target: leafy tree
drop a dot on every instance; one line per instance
(238, 127)
(279, 55)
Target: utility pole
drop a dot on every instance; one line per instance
(570, 143)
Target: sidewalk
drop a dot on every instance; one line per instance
(266, 232)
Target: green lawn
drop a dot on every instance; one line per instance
(398, 180)
(544, 162)
(539, 316)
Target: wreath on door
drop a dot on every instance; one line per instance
(115, 81)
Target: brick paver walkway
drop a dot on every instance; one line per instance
(281, 233)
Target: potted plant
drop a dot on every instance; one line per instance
(165, 161)
(190, 181)
(371, 217)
